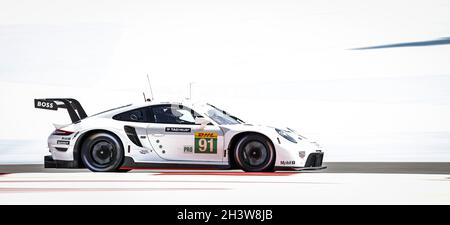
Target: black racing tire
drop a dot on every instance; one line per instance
(255, 153)
(102, 152)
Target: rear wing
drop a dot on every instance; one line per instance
(73, 106)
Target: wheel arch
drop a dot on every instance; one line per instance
(82, 138)
(235, 139)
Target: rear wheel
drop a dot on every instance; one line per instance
(102, 152)
(255, 153)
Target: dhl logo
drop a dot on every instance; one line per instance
(205, 135)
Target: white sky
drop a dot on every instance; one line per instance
(275, 62)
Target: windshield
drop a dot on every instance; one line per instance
(219, 116)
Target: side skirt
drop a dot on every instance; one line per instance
(129, 163)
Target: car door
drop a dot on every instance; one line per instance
(135, 123)
(175, 136)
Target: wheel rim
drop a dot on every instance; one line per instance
(103, 153)
(255, 154)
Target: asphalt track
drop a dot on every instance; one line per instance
(341, 183)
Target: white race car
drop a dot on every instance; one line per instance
(172, 135)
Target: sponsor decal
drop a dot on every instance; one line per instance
(66, 138)
(188, 149)
(62, 142)
(43, 104)
(178, 129)
(205, 142)
(288, 162)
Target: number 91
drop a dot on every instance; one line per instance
(203, 145)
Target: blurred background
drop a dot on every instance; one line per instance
(369, 80)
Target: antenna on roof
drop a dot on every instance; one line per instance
(190, 90)
(150, 86)
(146, 99)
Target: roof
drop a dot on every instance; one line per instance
(125, 108)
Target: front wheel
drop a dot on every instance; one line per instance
(255, 153)
(102, 152)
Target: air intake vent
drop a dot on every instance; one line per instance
(131, 133)
(314, 160)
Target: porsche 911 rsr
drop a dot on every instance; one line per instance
(172, 135)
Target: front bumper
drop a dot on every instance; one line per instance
(313, 162)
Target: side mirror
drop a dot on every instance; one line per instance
(201, 121)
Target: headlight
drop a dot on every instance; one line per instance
(300, 137)
(316, 144)
(286, 135)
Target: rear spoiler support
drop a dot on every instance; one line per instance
(73, 106)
